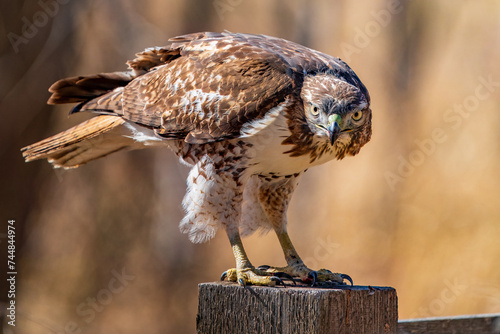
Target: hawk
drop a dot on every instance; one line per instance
(249, 113)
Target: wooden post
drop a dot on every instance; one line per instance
(464, 324)
(228, 308)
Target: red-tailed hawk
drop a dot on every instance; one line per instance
(248, 113)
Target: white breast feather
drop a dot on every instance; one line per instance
(142, 135)
(254, 127)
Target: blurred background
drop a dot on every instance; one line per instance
(98, 248)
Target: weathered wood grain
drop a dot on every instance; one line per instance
(473, 324)
(228, 308)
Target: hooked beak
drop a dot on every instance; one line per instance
(333, 128)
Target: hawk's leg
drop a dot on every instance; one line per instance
(214, 199)
(296, 267)
(245, 273)
(274, 198)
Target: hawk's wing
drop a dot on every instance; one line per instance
(207, 95)
(204, 87)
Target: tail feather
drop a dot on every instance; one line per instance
(95, 138)
(88, 87)
(84, 88)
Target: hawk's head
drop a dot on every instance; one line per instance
(337, 113)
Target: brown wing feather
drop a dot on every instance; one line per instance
(208, 98)
(220, 82)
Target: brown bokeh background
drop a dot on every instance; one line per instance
(418, 209)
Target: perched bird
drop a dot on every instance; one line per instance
(249, 113)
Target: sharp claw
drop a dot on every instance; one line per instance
(278, 280)
(314, 276)
(347, 277)
(263, 267)
(285, 275)
(242, 283)
(223, 276)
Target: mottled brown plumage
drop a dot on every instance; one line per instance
(249, 113)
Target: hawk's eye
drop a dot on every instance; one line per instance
(357, 115)
(314, 110)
